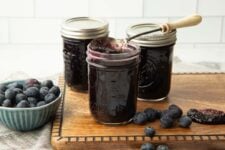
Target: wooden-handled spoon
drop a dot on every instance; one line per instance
(168, 27)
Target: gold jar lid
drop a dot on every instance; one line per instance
(84, 28)
(156, 39)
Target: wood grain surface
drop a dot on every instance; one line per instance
(74, 127)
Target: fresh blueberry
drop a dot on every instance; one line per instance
(147, 146)
(2, 98)
(23, 104)
(162, 147)
(17, 90)
(15, 85)
(140, 118)
(149, 131)
(10, 94)
(3, 87)
(47, 83)
(166, 121)
(175, 111)
(32, 92)
(32, 100)
(43, 92)
(20, 97)
(32, 105)
(32, 81)
(151, 114)
(7, 103)
(55, 90)
(41, 103)
(50, 97)
(185, 122)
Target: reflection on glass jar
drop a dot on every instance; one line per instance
(156, 61)
(77, 34)
(112, 77)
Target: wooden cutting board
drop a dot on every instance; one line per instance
(74, 128)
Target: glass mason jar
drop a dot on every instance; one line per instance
(156, 61)
(113, 79)
(77, 34)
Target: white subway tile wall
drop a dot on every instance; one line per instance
(37, 22)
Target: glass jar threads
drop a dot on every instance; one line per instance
(113, 74)
(156, 61)
(76, 34)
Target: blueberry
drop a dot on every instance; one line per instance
(172, 113)
(32, 100)
(2, 98)
(185, 122)
(10, 94)
(162, 147)
(15, 85)
(32, 92)
(7, 103)
(43, 92)
(32, 81)
(41, 103)
(149, 131)
(32, 105)
(47, 83)
(23, 104)
(50, 97)
(166, 121)
(147, 146)
(3, 87)
(55, 90)
(151, 114)
(20, 97)
(175, 111)
(17, 90)
(140, 118)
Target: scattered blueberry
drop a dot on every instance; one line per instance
(149, 131)
(2, 98)
(32, 100)
(41, 103)
(55, 90)
(7, 103)
(43, 92)
(32, 92)
(10, 94)
(147, 146)
(23, 104)
(166, 121)
(175, 111)
(17, 90)
(162, 147)
(3, 87)
(20, 97)
(185, 122)
(140, 118)
(47, 83)
(151, 114)
(50, 97)
(15, 85)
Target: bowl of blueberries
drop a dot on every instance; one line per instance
(28, 104)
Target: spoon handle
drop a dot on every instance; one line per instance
(184, 22)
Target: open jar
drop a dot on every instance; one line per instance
(77, 34)
(113, 74)
(156, 61)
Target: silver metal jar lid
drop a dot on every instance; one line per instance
(84, 28)
(156, 39)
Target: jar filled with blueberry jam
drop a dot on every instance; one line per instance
(156, 61)
(113, 74)
(77, 34)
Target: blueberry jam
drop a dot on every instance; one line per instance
(74, 63)
(155, 72)
(113, 73)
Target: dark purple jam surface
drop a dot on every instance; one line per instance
(110, 46)
(75, 63)
(155, 72)
(113, 93)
